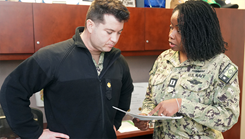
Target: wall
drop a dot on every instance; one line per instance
(139, 67)
(242, 135)
(241, 3)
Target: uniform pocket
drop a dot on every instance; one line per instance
(159, 77)
(196, 81)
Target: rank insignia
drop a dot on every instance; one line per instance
(172, 82)
(227, 74)
(109, 85)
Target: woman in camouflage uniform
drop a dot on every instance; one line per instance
(194, 79)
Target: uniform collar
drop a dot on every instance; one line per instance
(174, 60)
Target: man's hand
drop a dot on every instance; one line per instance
(167, 107)
(142, 125)
(47, 134)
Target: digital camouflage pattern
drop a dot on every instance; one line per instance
(209, 91)
(99, 66)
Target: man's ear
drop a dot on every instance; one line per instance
(90, 25)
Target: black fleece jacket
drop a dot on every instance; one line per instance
(77, 101)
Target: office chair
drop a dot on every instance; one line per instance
(5, 130)
(38, 116)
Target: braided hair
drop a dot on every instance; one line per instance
(200, 30)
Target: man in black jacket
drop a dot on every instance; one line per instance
(82, 79)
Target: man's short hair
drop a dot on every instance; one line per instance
(99, 8)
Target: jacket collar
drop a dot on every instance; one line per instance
(77, 38)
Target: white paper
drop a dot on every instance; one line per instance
(127, 126)
(146, 118)
(39, 101)
(138, 97)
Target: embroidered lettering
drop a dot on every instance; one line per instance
(196, 75)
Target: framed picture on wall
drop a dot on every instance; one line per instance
(127, 3)
(85, 2)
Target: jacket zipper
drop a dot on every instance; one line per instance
(102, 106)
(101, 93)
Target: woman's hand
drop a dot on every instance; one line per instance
(167, 107)
(142, 125)
(47, 134)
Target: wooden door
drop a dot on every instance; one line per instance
(16, 27)
(132, 37)
(157, 22)
(56, 22)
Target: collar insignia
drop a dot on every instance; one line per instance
(109, 85)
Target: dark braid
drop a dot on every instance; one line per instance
(200, 30)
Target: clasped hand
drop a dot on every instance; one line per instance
(166, 108)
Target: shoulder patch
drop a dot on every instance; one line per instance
(228, 72)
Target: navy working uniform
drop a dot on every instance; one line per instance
(209, 91)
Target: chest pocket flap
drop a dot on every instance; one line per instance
(159, 76)
(196, 81)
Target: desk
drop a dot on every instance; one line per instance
(131, 134)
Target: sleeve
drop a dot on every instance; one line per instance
(126, 92)
(18, 87)
(148, 103)
(224, 112)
